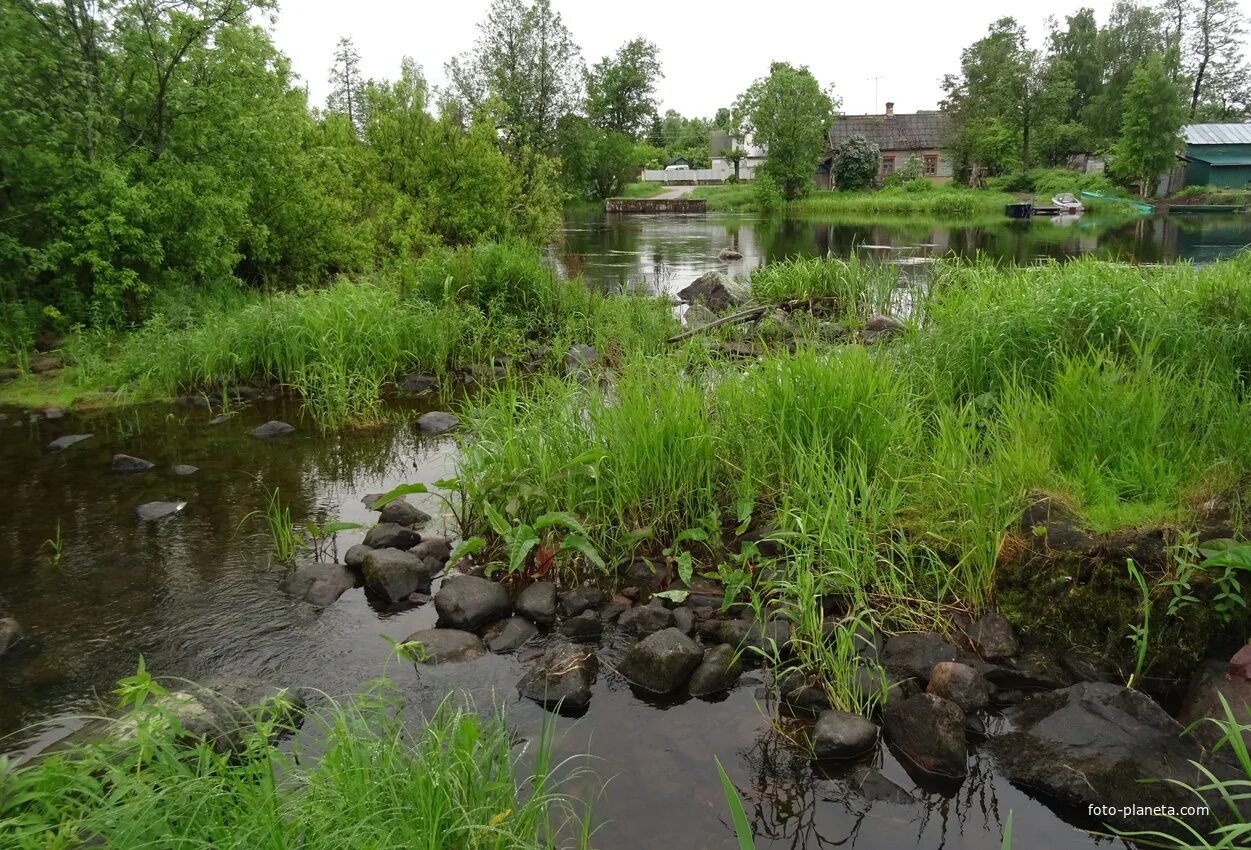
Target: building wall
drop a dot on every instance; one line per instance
(1199, 173)
(943, 170)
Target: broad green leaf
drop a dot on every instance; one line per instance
(465, 548)
(399, 493)
(496, 520)
(335, 527)
(678, 596)
(579, 543)
(696, 534)
(635, 537)
(448, 484)
(560, 518)
(522, 540)
(686, 567)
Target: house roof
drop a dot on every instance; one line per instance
(1223, 158)
(898, 132)
(1217, 134)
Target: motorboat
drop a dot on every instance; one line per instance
(1068, 203)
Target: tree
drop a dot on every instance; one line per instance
(856, 164)
(1214, 57)
(346, 84)
(789, 114)
(1154, 113)
(621, 90)
(1131, 33)
(1075, 57)
(525, 60)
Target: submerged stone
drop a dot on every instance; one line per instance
(469, 602)
(662, 662)
(446, 646)
(436, 422)
(840, 735)
(130, 465)
(563, 675)
(272, 430)
(158, 510)
(60, 444)
(319, 584)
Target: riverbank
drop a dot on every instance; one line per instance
(935, 201)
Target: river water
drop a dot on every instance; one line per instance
(664, 253)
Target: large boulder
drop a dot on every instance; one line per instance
(469, 602)
(319, 584)
(563, 675)
(436, 422)
(662, 662)
(393, 574)
(929, 732)
(403, 512)
(130, 465)
(389, 535)
(10, 633)
(644, 620)
(1091, 744)
(840, 735)
(60, 444)
(1211, 683)
(354, 557)
(538, 603)
(712, 290)
(960, 684)
(272, 430)
(719, 669)
(446, 646)
(913, 655)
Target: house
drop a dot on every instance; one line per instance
(721, 143)
(1217, 155)
(898, 137)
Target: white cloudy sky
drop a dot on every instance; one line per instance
(710, 49)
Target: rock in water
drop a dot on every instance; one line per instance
(388, 535)
(538, 603)
(584, 598)
(587, 626)
(446, 646)
(1210, 683)
(129, 465)
(469, 602)
(10, 633)
(1091, 743)
(960, 684)
(416, 384)
(60, 444)
(185, 469)
(710, 290)
(913, 655)
(563, 675)
(272, 430)
(436, 422)
(318, 584)
(929, 732)
(644, 620)
(727, 255)
(510, 635)
(840, 735)
(662, 662)
(403, 512)
(579, 358)
(394, 573)
(354, 557)
(158, 510)
(717, 672)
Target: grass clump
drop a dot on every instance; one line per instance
(856, 286)
(451, 783)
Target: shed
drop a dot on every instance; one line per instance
(1218, 155)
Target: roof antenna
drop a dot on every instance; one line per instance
(875, 81)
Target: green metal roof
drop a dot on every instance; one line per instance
(1222, 158)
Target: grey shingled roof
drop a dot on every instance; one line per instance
(899, 132)
(1217, 134)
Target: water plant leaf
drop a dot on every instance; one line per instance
(560, 518)
(686, 567)
(742, 829)
(635, 537)
(678, 596)
(579, 543)
(522, 539)
(496, 520)
(746, 505)
(448, 484)
(465, 548)
(696, 534)
(399, 493)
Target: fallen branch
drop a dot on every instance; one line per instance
(753, 313)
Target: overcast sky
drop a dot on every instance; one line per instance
(710, 50)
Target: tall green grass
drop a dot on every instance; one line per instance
(938, 201)
(451, 783)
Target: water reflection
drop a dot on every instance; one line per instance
(663, 253)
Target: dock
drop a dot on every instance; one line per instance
(653, 206)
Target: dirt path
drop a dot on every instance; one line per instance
(675, 192)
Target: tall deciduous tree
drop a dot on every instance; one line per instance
(789, 114)
(1150, 128)
(526, 61)
(621, 89)
(1213, 57)
(346, 84)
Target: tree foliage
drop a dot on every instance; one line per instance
(621, 89)
(525, 60)
(856, 163)
(789, 114)
(1153, 116)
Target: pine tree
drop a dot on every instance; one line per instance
(345, 79)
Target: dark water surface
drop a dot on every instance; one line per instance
(664, 253)
(196, 596)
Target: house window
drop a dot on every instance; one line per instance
(888, 166)
(930, 163)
